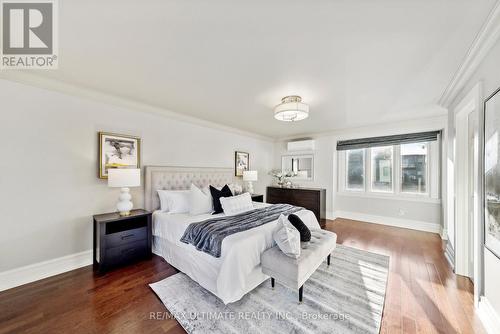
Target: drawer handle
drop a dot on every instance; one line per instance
(127, 236)
(129, 250)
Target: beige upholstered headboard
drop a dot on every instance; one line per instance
(180, 178)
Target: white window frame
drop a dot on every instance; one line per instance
(432, 194)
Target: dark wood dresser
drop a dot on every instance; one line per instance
(313, 199)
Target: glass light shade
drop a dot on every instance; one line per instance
(291, 109)
(250, 175)
(124, 177)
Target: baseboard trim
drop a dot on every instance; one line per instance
(330, 215)
(391, 221)
(488, 316)
(34, 272)
(449, 254)
(443, 233)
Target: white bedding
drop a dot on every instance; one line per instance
(232, 275)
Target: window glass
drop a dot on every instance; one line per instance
(414, 168)
(356, 169)
(381, 168)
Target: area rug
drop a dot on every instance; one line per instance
(345, 297)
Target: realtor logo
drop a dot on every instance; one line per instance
(29, 34)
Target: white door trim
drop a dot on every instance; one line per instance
(462, 187)
(473, 188)
(470, 104)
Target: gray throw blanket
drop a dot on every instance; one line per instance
(207, 235)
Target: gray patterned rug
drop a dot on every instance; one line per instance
(346, 297)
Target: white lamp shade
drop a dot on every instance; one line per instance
(250, 175)
(124, 177)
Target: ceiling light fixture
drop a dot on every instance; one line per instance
(291, 109)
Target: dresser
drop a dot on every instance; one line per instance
(121, 240)
(313, 199)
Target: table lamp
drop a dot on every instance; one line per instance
(250, 176)
(124, 178)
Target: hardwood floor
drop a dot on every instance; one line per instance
(423, 294)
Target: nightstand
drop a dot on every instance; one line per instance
(258, 198)
(121, 240)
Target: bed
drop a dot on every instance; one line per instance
(237, 271)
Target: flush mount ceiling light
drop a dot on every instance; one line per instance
(291, 109)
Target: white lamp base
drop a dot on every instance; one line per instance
(124, 204)
(250, 187)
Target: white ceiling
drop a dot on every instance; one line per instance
(356, 62)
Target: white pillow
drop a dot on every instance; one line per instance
(236, 204)
(206, 191)
(174, 201)
(199, 201)
(287, 237)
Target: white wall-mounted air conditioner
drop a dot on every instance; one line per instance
(301, 145)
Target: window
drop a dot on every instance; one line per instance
(414, 168)
(356, 170)
(381, 168)
(409, 171)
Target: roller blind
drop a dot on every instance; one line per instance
(353, 144)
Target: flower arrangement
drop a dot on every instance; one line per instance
(281, 176)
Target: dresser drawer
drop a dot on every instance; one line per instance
(129, 252)
(121, 238)
(308, 198)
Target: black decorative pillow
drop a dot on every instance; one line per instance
(305, 233)
(217, 194)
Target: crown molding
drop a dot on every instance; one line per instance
(39, 81)
(484, 41)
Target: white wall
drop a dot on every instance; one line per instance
(488, 73)
(49, 188)
(325, 175)
(323, 160)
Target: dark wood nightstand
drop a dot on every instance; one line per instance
(258, 198)
(121, 240)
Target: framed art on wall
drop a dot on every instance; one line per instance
(241, 162)
(118, 151)
(492, 173)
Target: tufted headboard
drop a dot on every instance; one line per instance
(180, 178)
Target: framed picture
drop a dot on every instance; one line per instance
(492, 173)
(241, 162)
(118, 151)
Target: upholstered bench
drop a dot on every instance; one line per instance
(293, 273)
